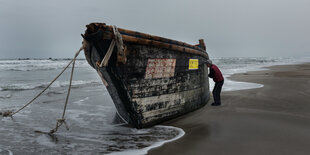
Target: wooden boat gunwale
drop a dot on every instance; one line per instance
(147, 39)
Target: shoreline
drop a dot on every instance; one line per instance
(270, 120)
(153, 146)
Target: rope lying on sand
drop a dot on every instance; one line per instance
(61, 121)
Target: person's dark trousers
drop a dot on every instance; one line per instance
(217, 92)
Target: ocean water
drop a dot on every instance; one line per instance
(230, 66)
(90, 114)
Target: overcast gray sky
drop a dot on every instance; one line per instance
(241, 28)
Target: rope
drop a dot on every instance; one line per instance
(118, 40)
(106, 58)
(59, 121)
(6, 113)
(10, 113)
(63, 120)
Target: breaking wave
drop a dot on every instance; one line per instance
(29, 86)
(5, 96)
(30, 65)
(9, 152)
(81, 101)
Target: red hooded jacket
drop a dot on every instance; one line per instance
(216, 74)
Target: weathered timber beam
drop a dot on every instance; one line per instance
(136, 40)
(152, 37)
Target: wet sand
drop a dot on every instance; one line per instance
(274, 119)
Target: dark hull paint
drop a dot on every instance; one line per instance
(145, 101)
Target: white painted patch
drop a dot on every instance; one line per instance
(160, 68)
(169, 98)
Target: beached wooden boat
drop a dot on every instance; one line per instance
(150, 79)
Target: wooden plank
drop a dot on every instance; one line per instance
(153, 37)
(136, 40)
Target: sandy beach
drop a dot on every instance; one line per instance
(274, 119)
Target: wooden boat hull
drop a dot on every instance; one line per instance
(154, 83)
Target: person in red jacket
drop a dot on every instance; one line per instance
(217, 76)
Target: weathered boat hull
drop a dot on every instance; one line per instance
(151, 82)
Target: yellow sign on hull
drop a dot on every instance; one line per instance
(193, 64)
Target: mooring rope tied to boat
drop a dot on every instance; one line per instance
(10, 113)
(118, 41)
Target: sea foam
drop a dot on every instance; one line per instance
(155, 145)
(230, 66)
(94, 117)
(29, 86)
(30, 65)
(9, 152)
